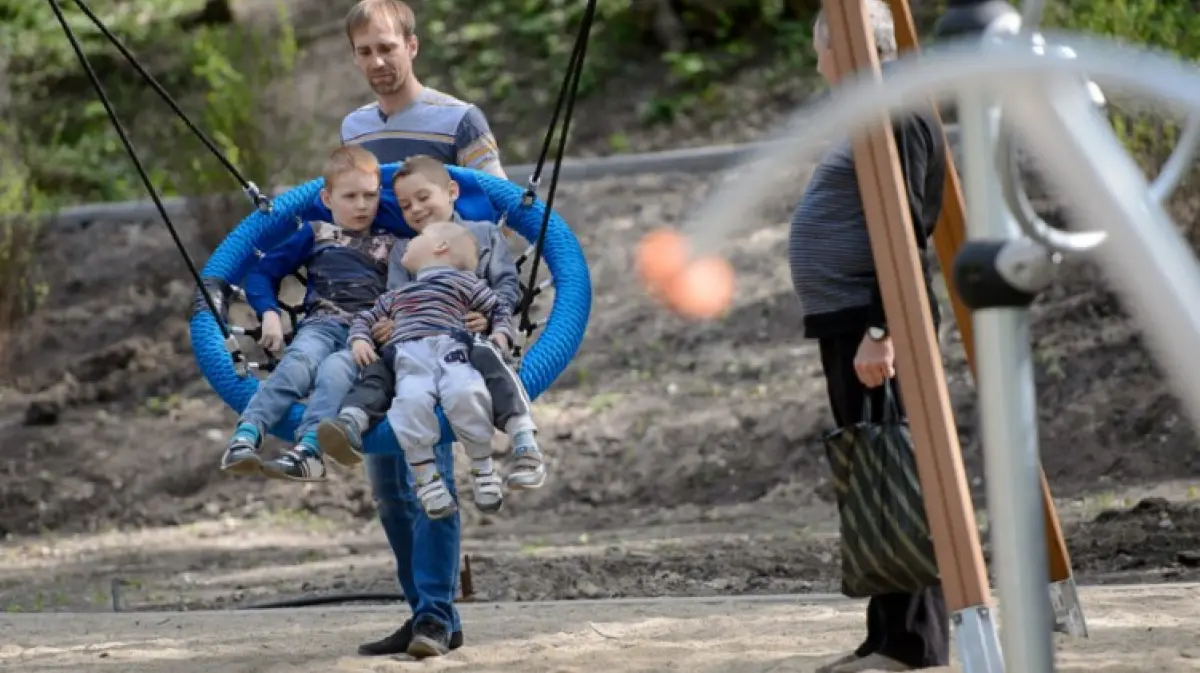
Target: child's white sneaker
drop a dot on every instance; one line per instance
(436, 499)
(528, 466)
(488, 489)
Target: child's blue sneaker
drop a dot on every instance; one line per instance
(241, 453)
(299, 463)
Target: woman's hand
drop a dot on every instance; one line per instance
(875, 361)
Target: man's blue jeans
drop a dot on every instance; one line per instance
(305, 362)
(428, 572)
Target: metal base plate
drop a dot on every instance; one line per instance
(976, 639)
(1068, 612)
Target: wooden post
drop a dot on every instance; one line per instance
(918, 359)
(948, 238)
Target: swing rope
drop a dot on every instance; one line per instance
(141, 170)
(564, 107)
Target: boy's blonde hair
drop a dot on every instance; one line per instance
(396, 11)
(349, 158)
(428, 167)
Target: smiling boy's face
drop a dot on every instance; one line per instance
(423, 201)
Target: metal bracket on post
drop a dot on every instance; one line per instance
(976, 641)
(1068, 611)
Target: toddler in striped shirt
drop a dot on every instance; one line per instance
(429, 351)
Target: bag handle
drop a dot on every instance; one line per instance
(891, 408)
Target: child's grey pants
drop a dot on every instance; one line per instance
(437, 370)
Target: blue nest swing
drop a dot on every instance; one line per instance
(483, 197)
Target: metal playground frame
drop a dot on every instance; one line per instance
(1009, 86)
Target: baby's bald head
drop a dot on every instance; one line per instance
(442, 243)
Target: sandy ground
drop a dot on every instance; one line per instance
(741, 635)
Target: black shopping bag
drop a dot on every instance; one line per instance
(886, 547)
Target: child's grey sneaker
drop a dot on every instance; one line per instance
(488, 489)
(436, 499)
(339, 439)
(528, 466)
(296, 464)
(241, 453)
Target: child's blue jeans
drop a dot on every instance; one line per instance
(306, 366)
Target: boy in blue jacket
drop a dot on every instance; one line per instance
(347, 266)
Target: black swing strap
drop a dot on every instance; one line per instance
(137, 163)
(564, 107)
(201, 288)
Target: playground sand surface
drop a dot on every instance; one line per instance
(1149, 628)
(685, 461)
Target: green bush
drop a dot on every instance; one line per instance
(72, 148)
(248, 78)
(1148, 131)
(20, 289)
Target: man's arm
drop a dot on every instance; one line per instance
(915, 153)
(476, 146)
(262, 283)
(398, 276)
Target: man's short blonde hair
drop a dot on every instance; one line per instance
(396, 11)
(883, 25)
(347, 159)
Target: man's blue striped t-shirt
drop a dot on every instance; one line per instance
(435, 124)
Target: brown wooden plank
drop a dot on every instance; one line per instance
(919, 364)
(948, 240)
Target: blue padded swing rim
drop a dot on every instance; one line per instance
(482, 196)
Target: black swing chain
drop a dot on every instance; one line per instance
(137, 164)
(565, 106)
(260, 200)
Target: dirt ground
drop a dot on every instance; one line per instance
(685, 457)
(1132, 629)
(685, 461)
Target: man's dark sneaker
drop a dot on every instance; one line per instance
(429, 639)
(338, 438)
(398, 642)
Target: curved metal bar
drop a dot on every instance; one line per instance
(1026, 217)
(1008, 157)
(1148, 257)
(937, 75)
(1180, 161)
(1172, 173)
